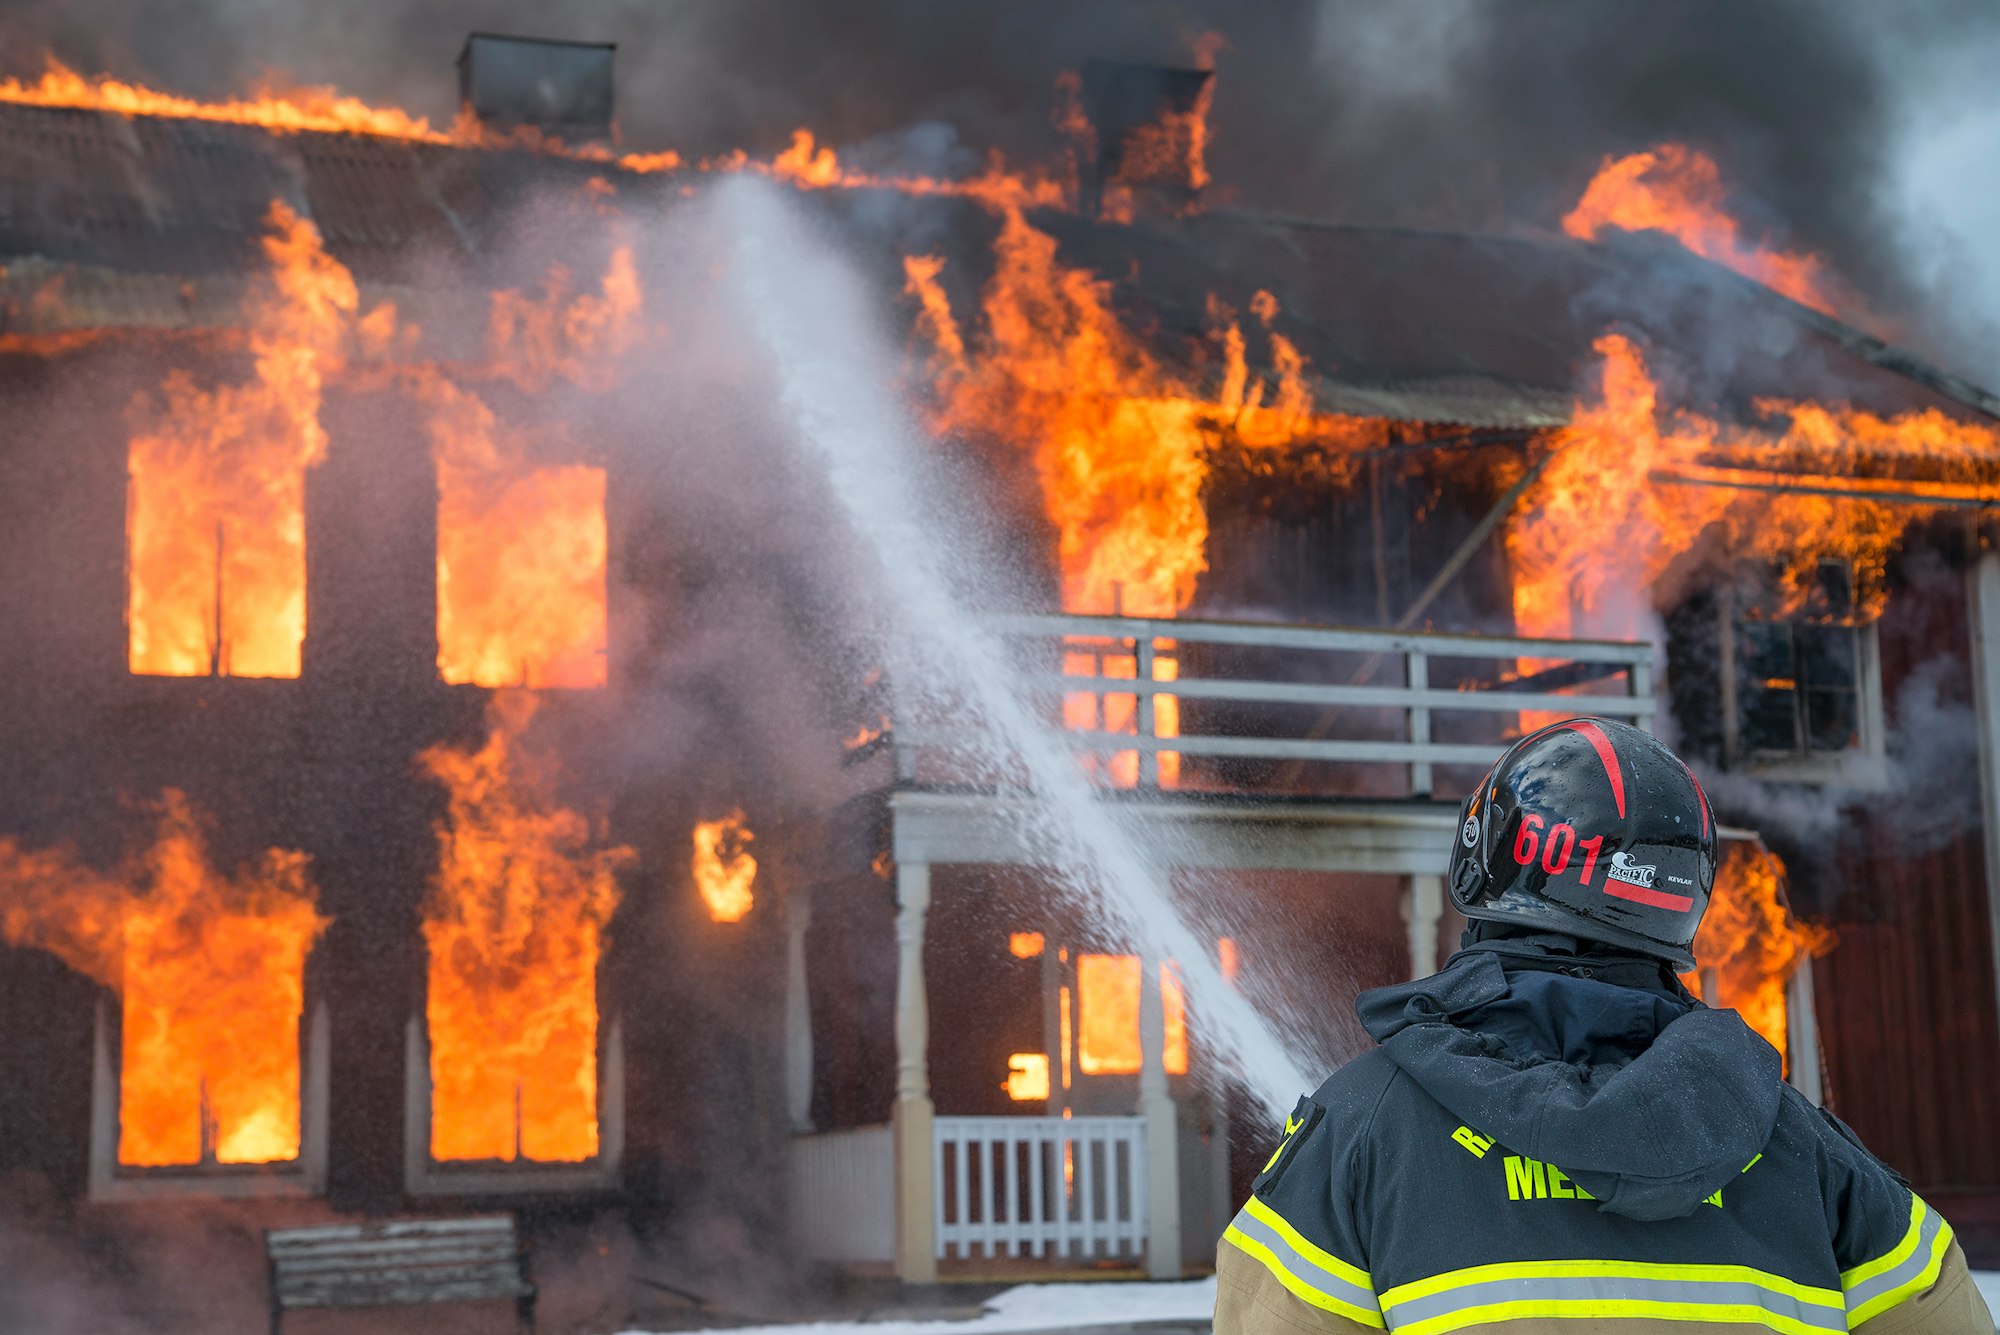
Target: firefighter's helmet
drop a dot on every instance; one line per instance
(1594, 829)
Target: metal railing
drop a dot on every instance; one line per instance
(1056, 1187)
(1107, 671)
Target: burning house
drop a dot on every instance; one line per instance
(343, 574)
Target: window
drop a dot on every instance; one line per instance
(1801, 693)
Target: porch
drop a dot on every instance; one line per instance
(1244, 748)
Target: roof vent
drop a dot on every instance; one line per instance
(559, 88)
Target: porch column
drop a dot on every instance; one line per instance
(1983, 617)
(1423, 911)
(1156, 1110)
(916, 1155)
(798, 1012)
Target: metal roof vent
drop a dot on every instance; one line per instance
(559, 88)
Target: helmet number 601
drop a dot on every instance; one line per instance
(1559, 848)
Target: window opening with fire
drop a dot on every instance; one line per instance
(215, 508)
(1095, 1010)
(215, 515)
(209, 970)
(1804, 684)
(515, 929)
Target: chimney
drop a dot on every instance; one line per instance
(1150, 124)
(558, 88)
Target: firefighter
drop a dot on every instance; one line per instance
(1553, 1136)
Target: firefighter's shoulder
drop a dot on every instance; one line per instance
(1296, 1255)
(1901, 1268)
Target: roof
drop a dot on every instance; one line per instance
(154, 222)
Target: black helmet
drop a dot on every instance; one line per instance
(1593, 829)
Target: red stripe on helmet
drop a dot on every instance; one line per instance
(1701, 798)
(1595, 736)
(1658, 899)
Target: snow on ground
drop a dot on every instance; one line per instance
(1050, 1307)
(1041, 1307)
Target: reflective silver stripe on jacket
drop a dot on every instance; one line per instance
(1667, 1297)
(1272, 1246)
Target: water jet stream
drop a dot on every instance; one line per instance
(812, 316)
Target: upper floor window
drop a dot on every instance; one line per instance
(1802, 690)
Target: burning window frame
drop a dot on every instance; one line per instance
(424, 1175)
(1831, 611)
(305, 1175)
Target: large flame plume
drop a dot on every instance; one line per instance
(515, 925)
(216, 514)
(210, 970)
(1604, 522)
(522, 542)
(1120, 441)
(1678, 190)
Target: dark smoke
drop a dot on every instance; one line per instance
(1441, 112)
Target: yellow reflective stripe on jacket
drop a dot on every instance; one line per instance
(1723, 1294)
(1906, 1269)
(1311, 1274)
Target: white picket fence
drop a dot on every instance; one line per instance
(1069, 1188)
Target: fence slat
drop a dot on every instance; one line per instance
(1037, 1206)
(989, 1232)
(988, 1204)
(963, 1202)
(1013, 1198)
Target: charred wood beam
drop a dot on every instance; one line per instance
(1557, 678)
(1883, 491)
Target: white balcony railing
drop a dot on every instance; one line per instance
(1349, 697)
(1069, 1188)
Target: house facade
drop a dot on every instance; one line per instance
(395, 740)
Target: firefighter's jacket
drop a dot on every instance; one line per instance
(1537, 1150)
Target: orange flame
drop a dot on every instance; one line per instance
(1677, 190)
(321, 109)
(211, 971)
(1602, 525)
(1120, 442)
(724, 872)
(1027, 1077)
(1107, 1013)
(522, 544)
(1751, 940)
(216, 524)
(514, 924)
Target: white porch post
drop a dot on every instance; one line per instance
(1802, 1033)
(1983, 608)
(798, 1012)
(1156, 1110)
(916, 1185)
(1423, 911)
